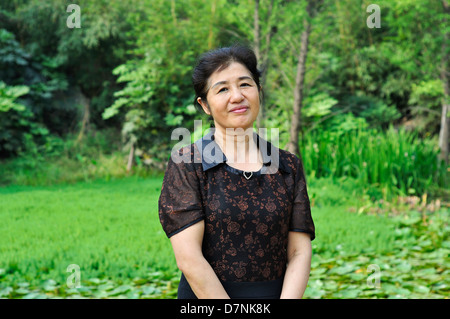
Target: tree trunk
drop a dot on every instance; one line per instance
(299, 82)
(130, 158)
(262, 55)
(443, 133)
(256, 31)
(211, 25)
(173, 13)
(257, 49)
(85, 121)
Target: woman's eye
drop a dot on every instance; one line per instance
(222, 90)
(245, 84)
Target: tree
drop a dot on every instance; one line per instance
(19, 74)
(263, 56)
(443, 132)
(157, 93)
(311, 10)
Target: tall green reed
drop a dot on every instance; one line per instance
(396, 161)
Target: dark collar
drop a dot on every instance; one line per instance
(212, 154)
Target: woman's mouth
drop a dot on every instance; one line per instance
(239, 109)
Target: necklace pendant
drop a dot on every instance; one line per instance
(247, 175)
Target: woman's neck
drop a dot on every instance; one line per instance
(238, 145)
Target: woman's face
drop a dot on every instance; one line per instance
(232, 98)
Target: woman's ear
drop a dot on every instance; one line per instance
(204, 105)
(261, 94)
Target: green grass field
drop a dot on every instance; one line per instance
(112, 231)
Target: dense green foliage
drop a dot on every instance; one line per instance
(111, 230)
(127, 69)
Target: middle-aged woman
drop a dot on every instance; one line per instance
(238, 229)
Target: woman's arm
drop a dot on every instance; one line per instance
(187, 246)
(299, 253)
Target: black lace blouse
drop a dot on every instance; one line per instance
(246, 220)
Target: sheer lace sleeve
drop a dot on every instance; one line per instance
(180, 203)
(301, 219)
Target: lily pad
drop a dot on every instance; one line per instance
(120, 290)
(347, 294)
(348, 268)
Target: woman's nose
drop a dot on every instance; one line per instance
(236, 95)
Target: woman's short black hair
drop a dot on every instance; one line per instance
(219, 59)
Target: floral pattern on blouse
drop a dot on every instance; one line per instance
(247, 221)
